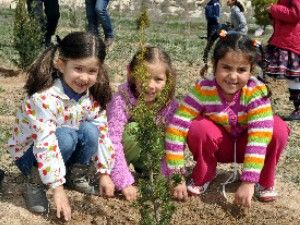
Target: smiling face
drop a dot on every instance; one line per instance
(232, 72)
(156, 83)
(79, 74)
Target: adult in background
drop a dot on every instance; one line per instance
(212, 15)
(49, 20)
(96, 12)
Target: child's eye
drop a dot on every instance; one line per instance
(226, 67)
(93, 71)
(78, 69)
(158, 79)
(241, 70)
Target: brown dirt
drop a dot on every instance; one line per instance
(211, 208)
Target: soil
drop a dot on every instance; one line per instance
(210, 208)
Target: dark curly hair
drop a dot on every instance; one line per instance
(76, 45)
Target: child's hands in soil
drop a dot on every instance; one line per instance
(244, 194)
(180, 192)
(62, 203)
(106, 186)
(130, 192)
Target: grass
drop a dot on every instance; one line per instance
(179, 36)
(4, 136)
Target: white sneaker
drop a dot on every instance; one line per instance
(265, 194)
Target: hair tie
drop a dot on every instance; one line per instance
(256, 43)
(58, 40)
(223, 33)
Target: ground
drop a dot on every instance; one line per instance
(211, 208)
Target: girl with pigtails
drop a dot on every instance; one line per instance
(228, 118)
(61, 124)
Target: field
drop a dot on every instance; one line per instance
(179, 36)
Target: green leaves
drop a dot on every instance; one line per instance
(28, 36)
(155, 203)
(261, 15)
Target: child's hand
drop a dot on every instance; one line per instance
(62, 203)
(268, 8)
(180, 192)
(106, 186)
(244, 194)
(130, 193)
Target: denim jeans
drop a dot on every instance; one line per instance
(96, 12)
(48, 24)
(76, 146)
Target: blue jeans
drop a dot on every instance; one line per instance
(76, 146)
(96, 12)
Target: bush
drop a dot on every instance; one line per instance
(261, 15)
(28, 36)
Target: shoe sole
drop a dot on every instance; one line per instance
(191, 194)
(267, 199)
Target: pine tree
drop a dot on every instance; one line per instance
(155, 202)
(27, 34)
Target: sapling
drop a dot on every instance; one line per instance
(155, 202)
(28, 36)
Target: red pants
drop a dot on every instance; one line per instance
(210, 143)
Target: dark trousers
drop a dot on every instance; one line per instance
(48, 18)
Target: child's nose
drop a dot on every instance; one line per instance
(151, 84)
(84, 77)
(233, 75)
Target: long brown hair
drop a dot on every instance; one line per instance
(76, 45)
(152, 54)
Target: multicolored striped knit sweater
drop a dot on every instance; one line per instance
(250, 110)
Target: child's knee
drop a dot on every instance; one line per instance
(89, 131)
(67, 139)
(200, 128)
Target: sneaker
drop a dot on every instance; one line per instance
(295, 115)
(35, 198)
(109, 42)
(196, 190)
(76, 179)
(265, 194)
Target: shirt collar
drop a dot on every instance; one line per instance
(70, 93)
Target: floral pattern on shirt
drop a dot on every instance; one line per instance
(36, 123)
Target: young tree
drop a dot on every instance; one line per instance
(155, 203)
(27, 34)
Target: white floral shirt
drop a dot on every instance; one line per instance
(36, 123)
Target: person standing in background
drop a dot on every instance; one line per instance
(237, 17)
(212, 15)
(49, 20)
(96, 12)
(283, 51)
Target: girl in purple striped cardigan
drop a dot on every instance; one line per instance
(228, 118)
(122, 128)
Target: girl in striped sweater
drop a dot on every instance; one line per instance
(228, 118)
